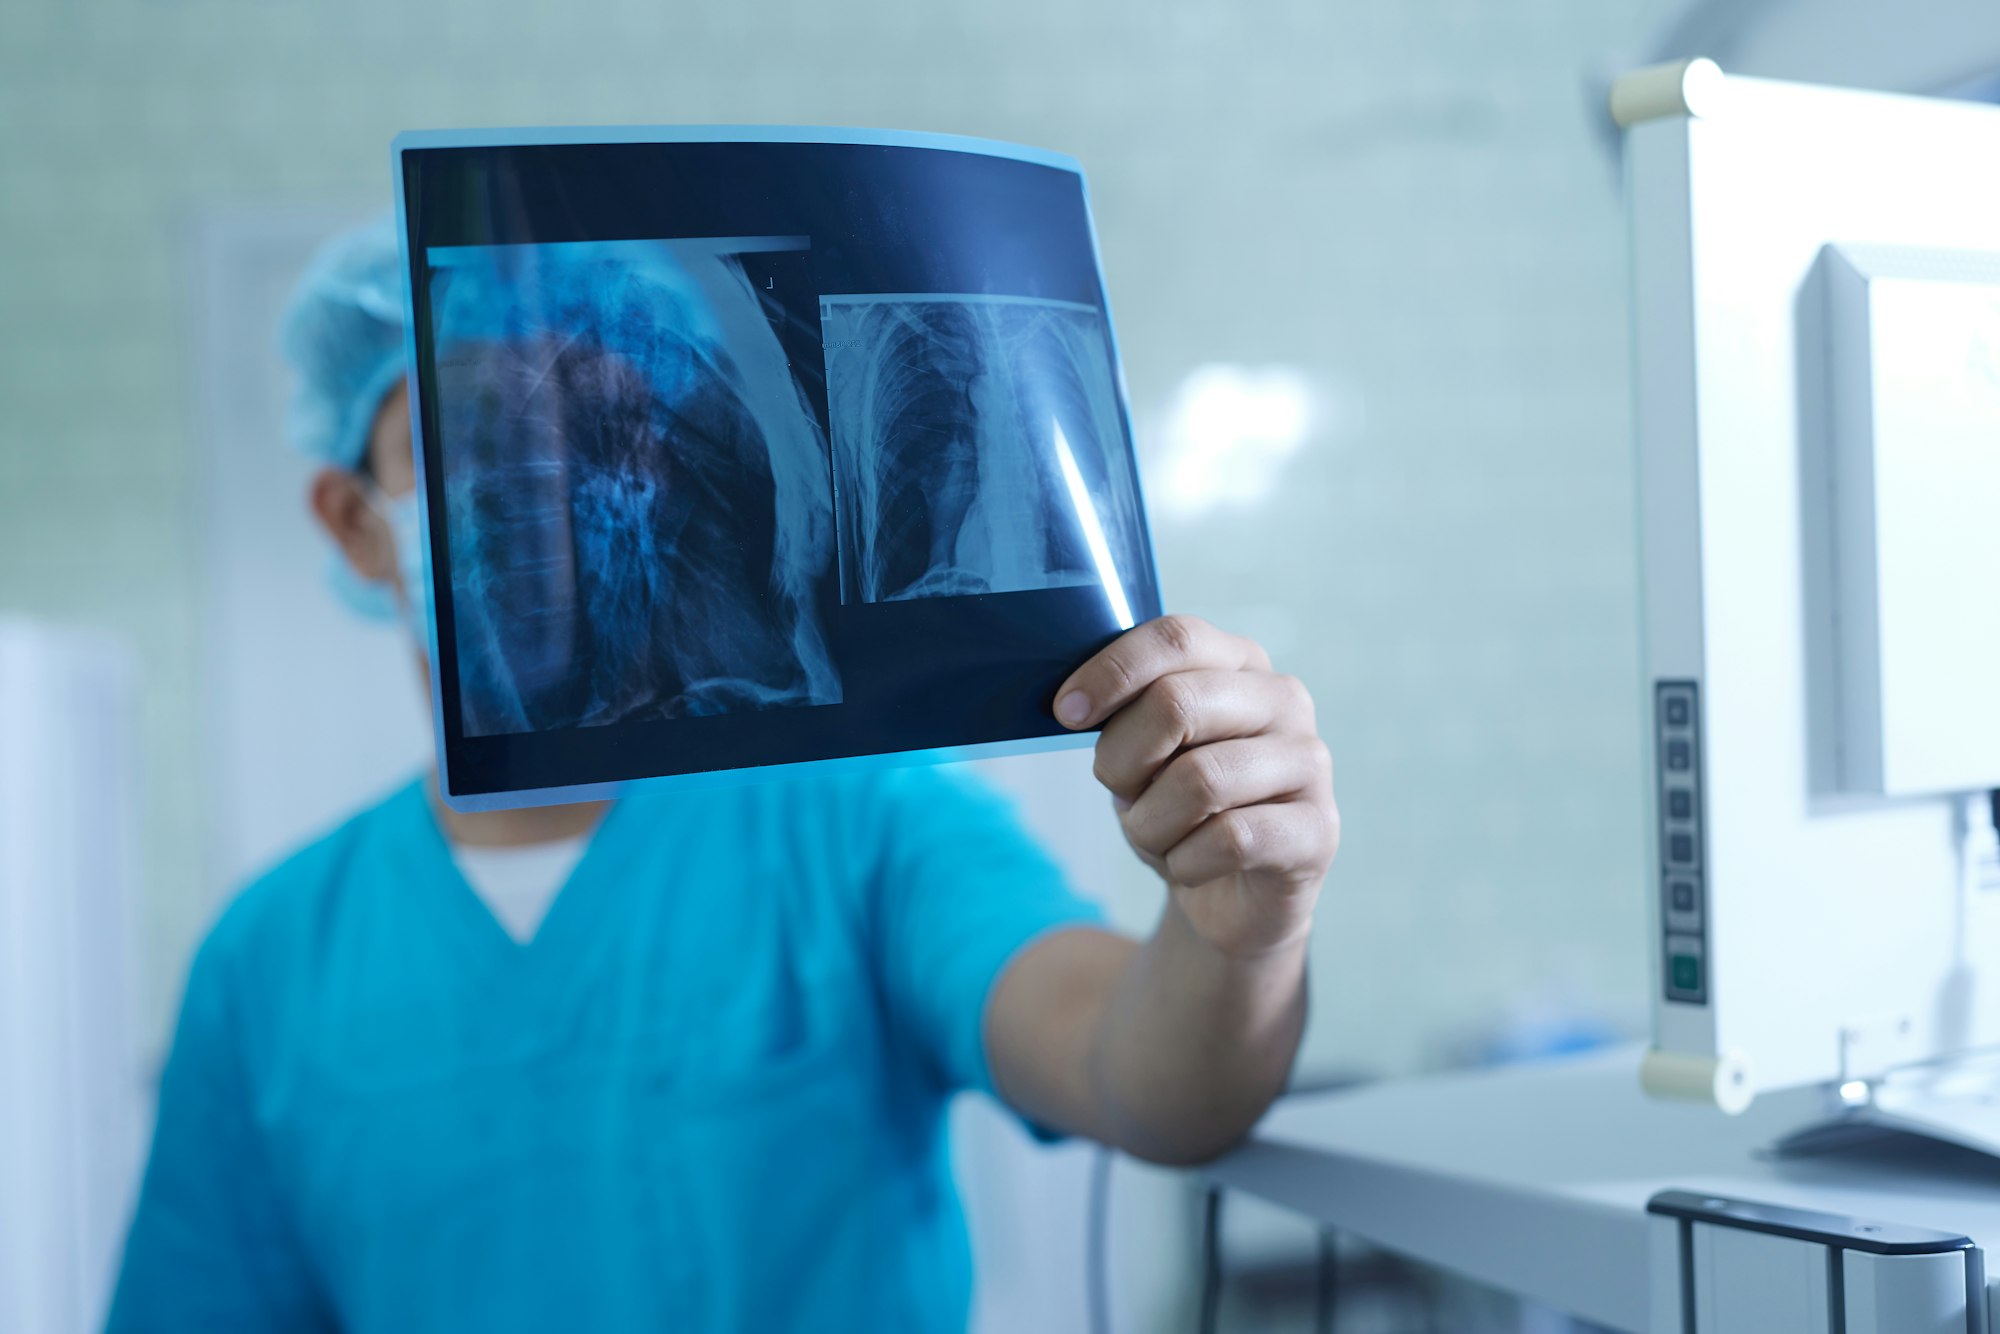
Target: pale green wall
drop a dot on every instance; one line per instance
(1403, 198)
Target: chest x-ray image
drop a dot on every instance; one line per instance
(753, 449)
(636, 487)
(959, 423)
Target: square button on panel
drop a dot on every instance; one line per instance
(1677, 711)
(1687, 978)
(1681, 904)
(1680, 804)
(1680, 849)
(1680, 756)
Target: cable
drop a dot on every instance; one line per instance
(1097, 1276)
(1326, 1296)
(1211, 1258)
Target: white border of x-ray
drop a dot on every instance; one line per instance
(710, 134)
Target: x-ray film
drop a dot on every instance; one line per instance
(743, 450)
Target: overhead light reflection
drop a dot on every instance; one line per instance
(1229, 431)
(1093, 532)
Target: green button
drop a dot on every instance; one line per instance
(1686, 972)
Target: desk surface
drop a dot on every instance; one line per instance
(1535, 1178)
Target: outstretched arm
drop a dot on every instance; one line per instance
(1172, 1048)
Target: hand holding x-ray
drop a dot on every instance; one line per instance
(1221, 783)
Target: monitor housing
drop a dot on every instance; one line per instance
(1817, 336)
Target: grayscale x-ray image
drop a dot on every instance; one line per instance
(744, 454)
(978, 448)
(638, 500)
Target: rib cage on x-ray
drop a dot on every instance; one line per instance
(637, 495)
(945, 412)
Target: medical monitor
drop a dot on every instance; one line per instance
(749, 449)
(1817, 327)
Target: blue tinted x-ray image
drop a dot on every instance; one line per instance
(958, 421)
(751, 449)
(637, 489)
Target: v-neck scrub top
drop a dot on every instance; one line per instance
(708, 1095)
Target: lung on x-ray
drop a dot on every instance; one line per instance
(959, 423)
(749, 450)
(636, 489)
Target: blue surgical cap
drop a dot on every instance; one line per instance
(343, 335)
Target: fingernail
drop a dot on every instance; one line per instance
(1073, 708)
(1120, 804)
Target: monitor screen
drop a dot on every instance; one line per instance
(758, 448)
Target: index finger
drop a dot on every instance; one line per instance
(1141, 656)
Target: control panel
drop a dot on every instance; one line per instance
(1683, 883)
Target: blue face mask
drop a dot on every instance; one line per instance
(378, 601)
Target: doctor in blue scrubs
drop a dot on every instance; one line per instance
(681, 1062)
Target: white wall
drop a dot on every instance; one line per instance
(1911, 46)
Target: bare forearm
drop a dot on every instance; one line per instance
(1192, 1045)
(1172, 1049)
